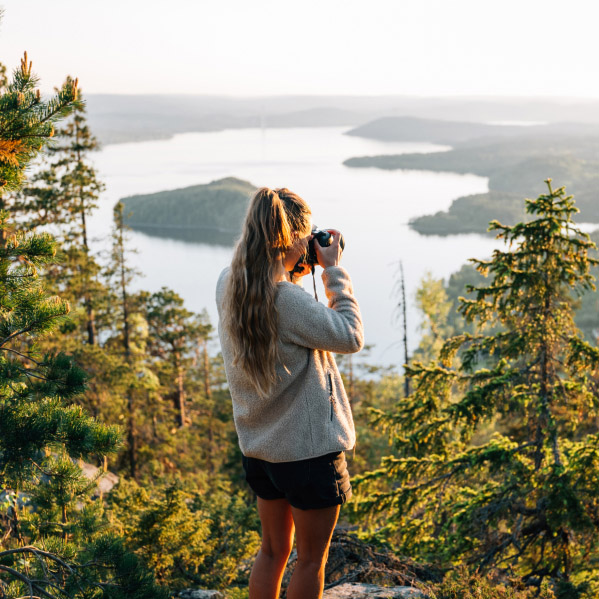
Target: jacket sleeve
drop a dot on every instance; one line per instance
(306, 322)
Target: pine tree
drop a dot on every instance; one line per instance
(120, 275)
(40, 557)
(64, 194)
(174, 332)
(3, 78)
(42, 435)
(433, 302)
(27, 123)
(525, 497)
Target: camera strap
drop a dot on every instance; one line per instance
(313, 269)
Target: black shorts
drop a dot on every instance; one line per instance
(307, 484)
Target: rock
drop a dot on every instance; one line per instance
(105, 482)
(200, 594)
(350, 590)
(353, 561)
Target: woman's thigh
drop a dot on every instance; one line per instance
(277, 526)
(313, 531)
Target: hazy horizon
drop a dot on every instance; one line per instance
(416, 48)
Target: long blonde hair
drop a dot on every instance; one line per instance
(275, 218)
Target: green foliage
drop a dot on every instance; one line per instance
(460, 584)
(63, 193)
(52, 532)
(52, 542)
(33, 388)
(27, 121)
(188, 536)
(433, 302)
(524, 497)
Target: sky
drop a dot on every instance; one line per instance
(309, 47)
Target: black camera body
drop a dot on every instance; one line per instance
(324, 239)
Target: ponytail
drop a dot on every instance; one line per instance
(273, 219)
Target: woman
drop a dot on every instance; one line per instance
(291, 412)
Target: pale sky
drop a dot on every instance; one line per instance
(320, 47)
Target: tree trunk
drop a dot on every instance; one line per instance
(91, 322)
(208, 395)
(131, 437)
(131, 429)
(180, 397)
(207, 389)
(405, 330)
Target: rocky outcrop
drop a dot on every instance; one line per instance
(355, 570)
(353, 561)
(105, 482)
(200, 594)
(352, 590)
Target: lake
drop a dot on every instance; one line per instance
(370, 207)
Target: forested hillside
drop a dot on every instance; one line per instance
(515, 166)
(218, 206)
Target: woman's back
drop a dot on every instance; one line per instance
(306, 413)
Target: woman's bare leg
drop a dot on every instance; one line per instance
(277, 540)
(313, 532)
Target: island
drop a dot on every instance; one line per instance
(212, 212)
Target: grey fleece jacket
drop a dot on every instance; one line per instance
(307, 414)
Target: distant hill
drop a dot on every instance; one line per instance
(216, 207)
(120, 118)
(432, 131)
(457, 133)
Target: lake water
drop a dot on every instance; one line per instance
(371, 207)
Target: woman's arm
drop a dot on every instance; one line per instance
(306, 322)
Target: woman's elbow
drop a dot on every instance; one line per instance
(359, 341)
(356, 342)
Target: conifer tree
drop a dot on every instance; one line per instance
(174, 332)
(120, 274)
(60, 549)
(64, 194)
(3, 78)
(27, 123)
(523, 498)
(433, 302)
(38, 558)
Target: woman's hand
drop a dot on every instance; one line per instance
(331, 254)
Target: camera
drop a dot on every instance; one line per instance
(324, 239)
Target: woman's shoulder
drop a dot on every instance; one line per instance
(220, 284)
(224, 273)
(290, 296)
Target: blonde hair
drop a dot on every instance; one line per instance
(275, 218)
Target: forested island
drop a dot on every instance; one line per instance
(212, 212)
(515, 167)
